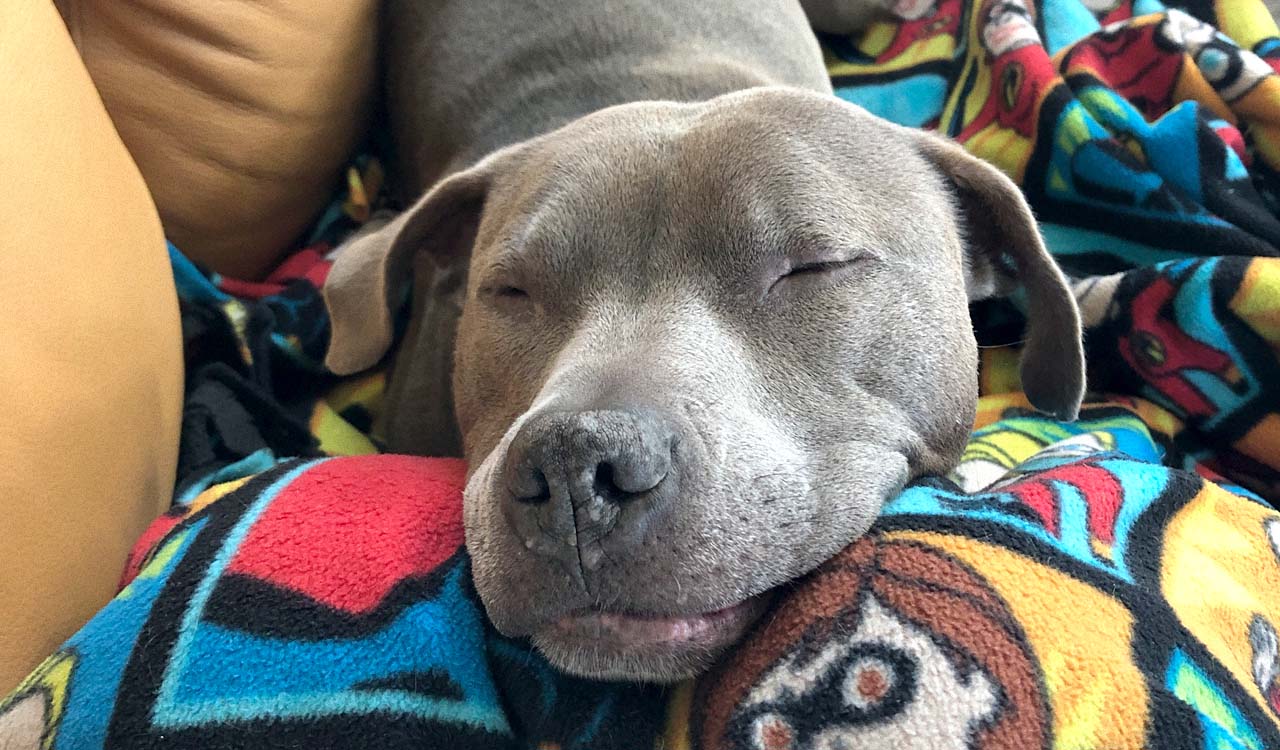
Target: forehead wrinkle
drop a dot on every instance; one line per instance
(768, 222)
(797, 178)
(852, 213)
(763, 185)
(511, 248)
(585, 229)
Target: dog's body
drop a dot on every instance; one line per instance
(711, 316)
(467, 78)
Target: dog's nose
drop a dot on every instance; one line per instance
(576, 479)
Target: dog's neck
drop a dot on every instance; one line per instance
(467, 78)
(545, 102)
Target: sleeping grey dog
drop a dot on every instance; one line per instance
(698, 317)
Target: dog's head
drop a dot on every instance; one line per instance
(701, 344)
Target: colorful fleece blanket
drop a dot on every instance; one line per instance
(1112, 583)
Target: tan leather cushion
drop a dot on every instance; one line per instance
(90, 352)
(240, 113)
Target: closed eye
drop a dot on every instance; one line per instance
(816, 271)
(823, 267)
(510, 292)
(506, 296)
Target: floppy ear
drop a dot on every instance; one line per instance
(1003, 250)
(370, 277)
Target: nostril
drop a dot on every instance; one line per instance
(619, 480)
(531, 487)
(606, 487)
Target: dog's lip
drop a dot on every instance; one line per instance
(644, 631)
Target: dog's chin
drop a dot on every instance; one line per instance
(645, 648)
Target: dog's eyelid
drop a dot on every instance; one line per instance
(828, 262)
(504, 283)
(811, 248)
(503, 289)
(504, 270)
(821, 267)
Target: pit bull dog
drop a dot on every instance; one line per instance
(690, 318)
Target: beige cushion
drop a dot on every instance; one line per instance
(241, 114)
(91, 351)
